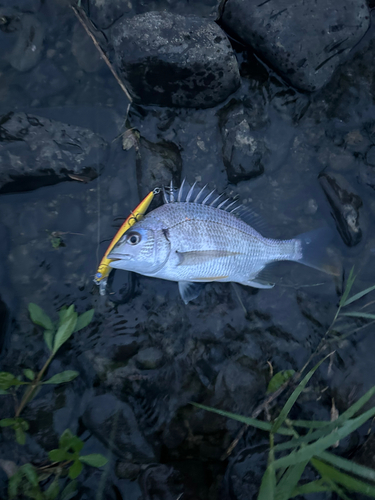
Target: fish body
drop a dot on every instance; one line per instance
(196, 238)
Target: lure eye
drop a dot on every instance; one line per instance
(133, 238)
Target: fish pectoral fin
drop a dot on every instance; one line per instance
(199, 256)
(189, 290)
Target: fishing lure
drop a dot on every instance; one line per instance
(136, 215)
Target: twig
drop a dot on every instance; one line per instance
(83, 19)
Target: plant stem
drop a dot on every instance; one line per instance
(29, 393)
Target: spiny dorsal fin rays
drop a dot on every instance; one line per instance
(165, 195)
(208, 197)
(190, 192)
(200, 194)
(180, 191)
(216, 199)
(171, 192)
(221, 205)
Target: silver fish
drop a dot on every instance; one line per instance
(198, 237)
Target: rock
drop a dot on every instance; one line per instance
(27, 50)
(157, 164)
(161, 482)
(243, 147)
(104, 14)
(113, 422)
(46, 80)
(22, 5)
(149, 358)
(367, 175)
(4, 317)
(345, 206)
(195, 54)
(370, 156)
(83, 49)
(303, 41)
(35, 151)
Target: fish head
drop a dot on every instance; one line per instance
(142, 249)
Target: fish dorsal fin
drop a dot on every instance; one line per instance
(188, 193)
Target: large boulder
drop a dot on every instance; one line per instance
(35, 151)
(303, 41)
(171, 60)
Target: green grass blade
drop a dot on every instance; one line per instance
(359, 315)
(289, 481)
(348, 482)
(349, 284)
(313, 424)
(359, 295)
(294, 396)
(348, 466)
(259, 424)
(312, 487)
(268, 484)
(325, 442)
(329, 426)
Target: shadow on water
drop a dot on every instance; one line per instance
(146, 355)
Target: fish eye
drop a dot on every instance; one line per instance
(133, 238)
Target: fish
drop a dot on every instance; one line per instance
(197, 236)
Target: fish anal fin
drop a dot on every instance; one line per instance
(189, 290)
(258, 283)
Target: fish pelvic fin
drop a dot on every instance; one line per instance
(313, 251)
(189, 290)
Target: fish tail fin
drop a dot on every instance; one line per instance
(313, 247)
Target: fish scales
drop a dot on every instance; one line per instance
(236, 247)
(195, 238)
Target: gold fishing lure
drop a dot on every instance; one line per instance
(104, 267)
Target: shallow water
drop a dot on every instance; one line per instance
(146, 353)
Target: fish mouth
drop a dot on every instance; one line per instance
(118, 256)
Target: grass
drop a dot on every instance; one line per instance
(307, 443)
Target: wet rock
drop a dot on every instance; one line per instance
(367, 175)
(45, 80)
(104, 14)
(22, 5)
(245, 472)
(149, 358)
(83, 49)
(114, 423)
(160, 482)
(345, 206)
(370, 156)
(157, 164)
(195, 54)
(243, 147)
(27, 50)
(127, 470)
(35, 151)
(304, 42)
(4, 316)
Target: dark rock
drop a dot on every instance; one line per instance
(127, 470)
(245, 472)
(157, 164)
(370, 156)
(83, 49)
(45, 80)
(104, 14)
(149, 358)
(114, 423)
(243, 147)
(22, 5)
(160, 482)
(27, 50)
(35, 151)
(367, 175)
(4, 316)
(304, 42)
(171, 60)
(345, 206)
